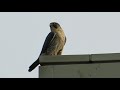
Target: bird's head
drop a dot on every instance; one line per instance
(54, 26)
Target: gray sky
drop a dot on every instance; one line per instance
(22, 35)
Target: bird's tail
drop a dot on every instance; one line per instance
(34, 65)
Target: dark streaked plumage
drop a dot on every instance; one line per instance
(53, 44)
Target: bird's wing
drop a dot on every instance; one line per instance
(48, 39)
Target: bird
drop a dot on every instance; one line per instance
(53, 44)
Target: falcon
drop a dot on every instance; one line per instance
(53, 45)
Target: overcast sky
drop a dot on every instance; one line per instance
(22, 35)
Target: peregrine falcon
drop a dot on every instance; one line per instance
(53, 44)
